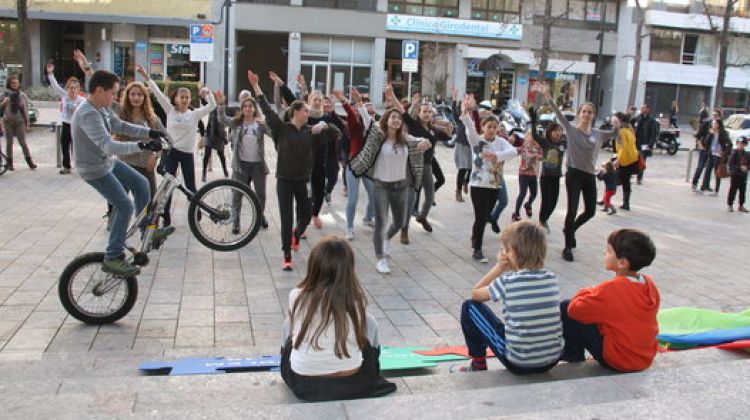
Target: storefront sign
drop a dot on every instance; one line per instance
(202, 42)
(522, 80)
(447, 26)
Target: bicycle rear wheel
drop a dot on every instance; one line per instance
(3, 163)
(224, 215)
(93, 296)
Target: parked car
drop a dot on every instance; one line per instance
(738, 125)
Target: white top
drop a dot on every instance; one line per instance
(485, 173)
(391, 163)
(182, 126)
(249, 150)
(68, 106)
(308, 361)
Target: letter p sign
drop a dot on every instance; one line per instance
(410, 49)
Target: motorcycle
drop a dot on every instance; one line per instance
(668, 141)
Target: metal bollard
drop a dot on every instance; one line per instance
(689, 165)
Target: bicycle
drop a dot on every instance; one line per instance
(3, 163)
(224, 215)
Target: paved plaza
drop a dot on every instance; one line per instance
(195, 301)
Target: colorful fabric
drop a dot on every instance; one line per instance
(689, 327)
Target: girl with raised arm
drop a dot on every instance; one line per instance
(70, 101)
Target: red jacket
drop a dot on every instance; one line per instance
(625, 313)
(356, 134)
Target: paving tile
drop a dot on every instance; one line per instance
(195, 337)
(232, 314)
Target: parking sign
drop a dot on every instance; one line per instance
(410, 56)
(202, 42)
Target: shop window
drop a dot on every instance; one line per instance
(156, 61)
(506, 11)
(739, 51)
(336, 63)
(11, 59)
(341, 4)
(665, 46)
(179, 66)
(435, 8)
(124, 60)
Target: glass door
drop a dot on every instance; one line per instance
(316, 76)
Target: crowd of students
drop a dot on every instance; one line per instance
(330, 343)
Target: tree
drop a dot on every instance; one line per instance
(638, 53)
(23, 27)
(723, 38)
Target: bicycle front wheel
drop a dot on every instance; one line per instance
(93, 296)
(3, 163)
(224, 215)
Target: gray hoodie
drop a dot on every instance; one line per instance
(93, 147)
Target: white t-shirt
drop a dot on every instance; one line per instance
(249, 150)
(391, 163)
(307, 360)
(182, 126)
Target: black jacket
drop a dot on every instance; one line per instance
(294, 146)
(736, 160)
(553, 152)
(646, 130)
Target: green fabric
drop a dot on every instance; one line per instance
(694, 320)
(396, 358)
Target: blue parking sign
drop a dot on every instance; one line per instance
(410, 49)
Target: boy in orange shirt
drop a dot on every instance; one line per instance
(616, 320)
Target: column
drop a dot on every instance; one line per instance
(294, 65)
(381, 6)
(36, 54)
(459, 70)
(464, 9)
(141, 49)
(377, 72)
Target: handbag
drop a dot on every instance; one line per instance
(722, 171)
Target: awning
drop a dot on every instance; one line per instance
(516, 56)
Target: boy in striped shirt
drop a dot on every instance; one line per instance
(528, 339)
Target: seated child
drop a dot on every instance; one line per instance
(529, 337)
(331, 347)
(608, 174)
(616, 320)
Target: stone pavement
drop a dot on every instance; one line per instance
(196, 301)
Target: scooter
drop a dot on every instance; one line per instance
(668, 141)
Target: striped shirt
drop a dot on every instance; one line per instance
(531, 314)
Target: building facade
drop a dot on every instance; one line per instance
(680, 57)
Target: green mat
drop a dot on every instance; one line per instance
(396, 358)
(694, 320)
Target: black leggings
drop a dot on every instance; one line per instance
(332, 174)
(483, 199)
(437, 172)
(737, 184)
(526, 182)
(207, 158)
(578, 182)
(626, 172)
(462, 178)
(318, 181)
(66, 141)
(288, 192)
(550, 186)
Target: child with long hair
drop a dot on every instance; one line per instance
(182, 123)
(71, 99)
(247, 132)
(608, 175)
(330, 344)
(393, 160)
(531, 153)
(553, 145)
(489, 153)
(15, 120)
(528, 336)
(136, 108)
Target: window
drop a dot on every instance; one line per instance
(336, 63)
(739, 51)
(176, 59)
(665, 46)
(10, 50)
(586, 10)
(434, 8)
(506, 11)
(340, 4)
(124, 62)
(680, 48)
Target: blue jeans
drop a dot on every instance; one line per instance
(114, 187)
(502, 202)
(186, 161)
(352, 187)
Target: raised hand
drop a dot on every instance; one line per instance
(339, 95)
(141, 71)
(355, 95)
(252, 78)
(275, 78)
(466, 105)
(220, 98)
(204, 91)
(50, 68)
(83, 63)
(317, 128)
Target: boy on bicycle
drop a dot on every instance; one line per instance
(93, 148)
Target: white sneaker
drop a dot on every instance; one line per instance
(382, 266)
(350, 234)
(387, 248)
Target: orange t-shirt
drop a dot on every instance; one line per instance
(625, 313)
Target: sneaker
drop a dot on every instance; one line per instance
(625, 206)
(611, 210)
(494, 226)
(317, 222)
(404, 237)
(120, 267)
(295, 243)
(515, 217)
(286, 265)
(425, 224)
(477, 255)
(464, 369)
(350, 234)
(730, 209)
(161, 235)
(527, 207)
(64, 171)
(459, 197)
(263, 222)
(382, 266)
(368, 222)
(742, 209)
(567, 254)
(203, 178)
